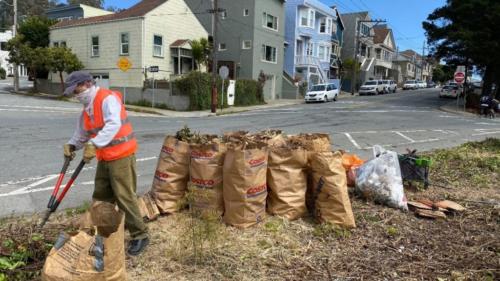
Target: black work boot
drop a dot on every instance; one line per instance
(135, 247)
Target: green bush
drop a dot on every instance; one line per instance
(3, 74)
(197, 86)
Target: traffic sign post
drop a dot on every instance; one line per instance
(124, 64)
(153, 69)
(459, 77)
(223, 73)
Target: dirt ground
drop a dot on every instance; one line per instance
(387, 244)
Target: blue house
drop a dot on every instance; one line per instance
(313, 33)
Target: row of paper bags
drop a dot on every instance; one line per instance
(241, 181)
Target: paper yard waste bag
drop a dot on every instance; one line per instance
(205, 178)
(96, 252)
(330, 198)
(287, 182)
(172, 175)
(244, 185)
(147, 207)
(313, 142)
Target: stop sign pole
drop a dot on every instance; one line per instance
(460, 78)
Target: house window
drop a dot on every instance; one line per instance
(365, 30)
(62, 44)
(3, 46)
(312, 18)
(246, 12)
(328, 53)
(309, 49)
(270, 21)
(223, 15)
(303, 18)
(56, 44)
(378, 53)
(124, 43)
(321, 52)
(322, 25)
(269, 54)
(247, 44)
(95, 46)
(157, 46)
(222, 46)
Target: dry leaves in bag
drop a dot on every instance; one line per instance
(287, 182)
(171, 175)
(245, 188)
(205, 184)
(330, 198)
(96, 252)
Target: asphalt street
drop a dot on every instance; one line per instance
(33, 131)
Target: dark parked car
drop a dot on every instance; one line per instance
(431, 84)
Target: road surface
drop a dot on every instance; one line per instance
(33, 131)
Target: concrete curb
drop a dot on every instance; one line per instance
(451, 107)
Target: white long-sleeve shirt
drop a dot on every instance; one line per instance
(111, 109)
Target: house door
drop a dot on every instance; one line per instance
(270, 87)
(300, 48)
(101, 80)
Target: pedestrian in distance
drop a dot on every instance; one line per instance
(104, 131)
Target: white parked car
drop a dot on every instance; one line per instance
(410, 85)
(390, 86)
(449, 91)
(373, 87)
(421, 84)
(322, 92)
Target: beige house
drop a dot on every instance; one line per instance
(151, 33)
(385, 47)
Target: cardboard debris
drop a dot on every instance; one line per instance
(417, 205)
(430, 214)
(450, 205)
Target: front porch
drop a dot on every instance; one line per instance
(182, 57)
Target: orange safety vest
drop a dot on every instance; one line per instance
(123, 143)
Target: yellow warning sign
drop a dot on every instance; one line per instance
(124, 64)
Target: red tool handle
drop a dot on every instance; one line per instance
(56, 203)
(67, 160)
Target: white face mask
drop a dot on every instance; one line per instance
(85, 97)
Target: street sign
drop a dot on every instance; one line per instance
(124, 64)
(154, 68)
(459, 77)
(223, 72)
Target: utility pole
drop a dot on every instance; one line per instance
(422, 63)
(215, 18)
(356, 48)
(14, 32)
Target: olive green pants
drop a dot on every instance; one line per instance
(115, 182)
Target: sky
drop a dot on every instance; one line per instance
(403, 16)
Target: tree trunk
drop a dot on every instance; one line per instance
(62, 82)
(487, 80)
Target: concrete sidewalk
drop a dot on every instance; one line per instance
(206, 113)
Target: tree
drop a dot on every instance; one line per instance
(349, 67)
(94, 3)
(442, 73)
(35, 31)
(61, 59)
(466, 32)
(201, 51)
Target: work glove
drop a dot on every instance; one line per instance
(88, 152)
(69, 151)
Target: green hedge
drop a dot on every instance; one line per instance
(196, 85)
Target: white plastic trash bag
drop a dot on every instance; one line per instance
(380, 179)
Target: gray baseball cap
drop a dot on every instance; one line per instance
(75, 78)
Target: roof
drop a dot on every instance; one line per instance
(179, 43)
(380, 35)
(138, 10)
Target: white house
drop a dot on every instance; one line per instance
(4, 56)
(151, 33)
